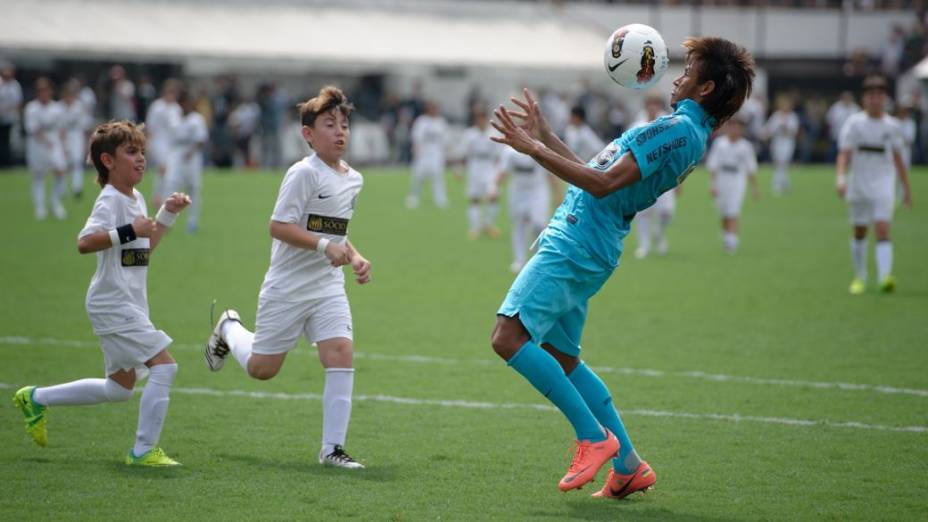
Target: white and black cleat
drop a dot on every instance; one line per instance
(216, 348)
(339, 459)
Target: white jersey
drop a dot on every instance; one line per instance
(428, 140)
(321, 200)
(583, 141)
(782, 126)
(160, 121)
(44, 147)
(117, 299)
(76, 122)
(727, 158)
(529, 189)
(837, 115)
(480, 154)
(187, 135)
(871, 142)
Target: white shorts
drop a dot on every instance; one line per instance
(479, 184)
(182, 178)
(42, 159)
(533, 206)
(280, 324)
(130, 349)
(665, 204)
(864, 211)
(730, 194)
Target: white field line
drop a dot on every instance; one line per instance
(477, 405)
(423, 359)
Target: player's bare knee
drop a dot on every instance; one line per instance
(262, 372)
(507, 339)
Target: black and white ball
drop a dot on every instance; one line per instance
(636, 56)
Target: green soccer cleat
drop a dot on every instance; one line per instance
(154, 458)
(857, 286)
(888, 284)
(34, 413)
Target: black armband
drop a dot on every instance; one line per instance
(126, 234)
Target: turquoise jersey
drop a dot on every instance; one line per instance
(667, 150)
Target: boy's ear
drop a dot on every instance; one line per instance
(307, 134)
(108, 161)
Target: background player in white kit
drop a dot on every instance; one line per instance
(652, 222)
(428, 156)
(76, 121)
(481, 155)
(123, 236)
(163, 116)
(42, 119)
(303, 293)
(782, 129)
(580, 137)
(732, 162)
(871, 141)
(529, 197)
(185, 160)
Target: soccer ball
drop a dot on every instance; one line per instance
(636, 56)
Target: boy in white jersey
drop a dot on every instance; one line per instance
(45, 148)
(163, 115)
(185, 160)
(871, 142)
(123, 236)
(428, 151)
(76, 122)
(304, 290)
(480, 155)
(652, 222)
(731, 162)
(782, 129)
(529, 195)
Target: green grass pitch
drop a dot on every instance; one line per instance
(756, 387)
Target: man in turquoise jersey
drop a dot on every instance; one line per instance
(540, 323)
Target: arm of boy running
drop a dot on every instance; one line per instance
(844, 157)
(903, 174)
(293, 234)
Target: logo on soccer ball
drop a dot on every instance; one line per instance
(647, 63)
(617, 43)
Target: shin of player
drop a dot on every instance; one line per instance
(122, 235)
(871, 141)
(42, 121)
(184, 170)
(480, 156)
(540, 323)
(428, 146)
(732, 163)
(303, 294)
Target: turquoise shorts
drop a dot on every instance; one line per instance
(550, 294)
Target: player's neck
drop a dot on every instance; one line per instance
(334, 163)
(122, 185)
(875, 114)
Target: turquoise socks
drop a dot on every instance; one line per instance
(599, 400)
(547, 376)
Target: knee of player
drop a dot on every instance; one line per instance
(115, 392)
(504, 343)
(262, 373)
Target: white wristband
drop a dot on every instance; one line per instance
(321, 245)
(165, 217)
(114, 238)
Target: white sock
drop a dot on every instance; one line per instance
(38, 192)
(336, 404)
(884, 259)
(84, 391)
(77, 179)
(644, 231)
(438, 189)
(491, 213)
(731, 240)
(473, 217)
(662, 221)
(239, 340)
(153, 407)
(859, 256)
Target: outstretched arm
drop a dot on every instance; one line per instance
(621, 174)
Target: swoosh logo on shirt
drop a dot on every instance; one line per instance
(612, 68)
(324, 197)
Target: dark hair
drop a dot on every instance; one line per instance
(329, 98)
(107, 137)
(875, 82)
(578, 111)
(729, 66)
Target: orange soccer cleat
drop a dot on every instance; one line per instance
(590, 456)
(620, 486)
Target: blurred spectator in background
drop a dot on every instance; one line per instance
(76, 123)
(893, 50)
(389, 121)
(271, 102)
(554, 107)
(782, 129)
(147, 93)
(753, 113)
(88, 99)
(837, 114)
(244, 122)
(121, 95)
(162, 118)
(225, 96)
(11, 100)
